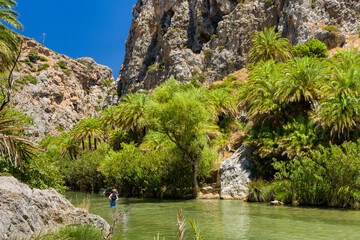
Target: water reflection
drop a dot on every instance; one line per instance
(228, 219)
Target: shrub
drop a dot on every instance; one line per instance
(43, 67)
(27, 61)
(62, 64)
(107, 82)
(33, 56)
(331, 29)
(67, 71)
(208, 52)
(153, 68)
(312, 48)
(73, 232)
(82, 173)
(86, 64)
(28, 78)
(324, 177)
(44, 59)
(171, 31)
(34, 70)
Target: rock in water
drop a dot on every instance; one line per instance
(235, 175)
(25, 212)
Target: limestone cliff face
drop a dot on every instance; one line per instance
(60, 95)
(211, 38)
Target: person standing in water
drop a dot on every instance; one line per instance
(113, 197)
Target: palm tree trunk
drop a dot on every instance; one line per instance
(90, 142)
(83, 144)
(95, 143)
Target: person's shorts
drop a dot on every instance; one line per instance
(112, 203)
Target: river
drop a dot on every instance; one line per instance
(221, 219)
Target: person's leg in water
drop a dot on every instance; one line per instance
(112, 203)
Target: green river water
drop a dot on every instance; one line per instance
(220, 219)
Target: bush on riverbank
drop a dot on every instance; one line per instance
(73, 232)
(324, 177)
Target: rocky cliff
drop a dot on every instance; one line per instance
(208, 39)
(58, 91)
(26, 212)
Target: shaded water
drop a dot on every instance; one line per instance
(219, 219)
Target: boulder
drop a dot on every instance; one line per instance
(235, 174)
(25, 212)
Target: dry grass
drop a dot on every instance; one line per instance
(85, 204)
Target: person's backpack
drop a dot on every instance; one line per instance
(113, 197)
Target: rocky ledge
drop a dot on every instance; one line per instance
(25, 212)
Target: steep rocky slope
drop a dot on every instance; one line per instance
(209, 39)
(26, 212)
(58, 91)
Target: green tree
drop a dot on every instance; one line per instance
(338, 114)
(312, 48)
(108, 117)
(185, 121)
(303, 79)
(130, 113)
(13, 147)
(259, 95)
(117, 136)
(269, 46)
(89, 128)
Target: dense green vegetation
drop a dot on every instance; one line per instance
(155, 145)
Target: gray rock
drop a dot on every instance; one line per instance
(61, 97)
(276, 202)
(235, 175)
(183, 38)
(25, 212)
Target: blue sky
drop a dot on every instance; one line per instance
(80, 28)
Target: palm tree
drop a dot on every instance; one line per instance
(269, 46)
(88, 128)
(339, 114)
(130, 113)
(69, 146)
(9, 40)
(303, 79)
(345, 71)
(223, 102)
(108, 117)
(259, 94)
(13, 147)
(117, 136)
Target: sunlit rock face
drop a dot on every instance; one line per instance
(208, 39)
(26, 212)
(62, 94)
(235, 174)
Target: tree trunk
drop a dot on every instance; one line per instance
(83, 144)
(95, 143)
(194, 178)
(90, 147)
